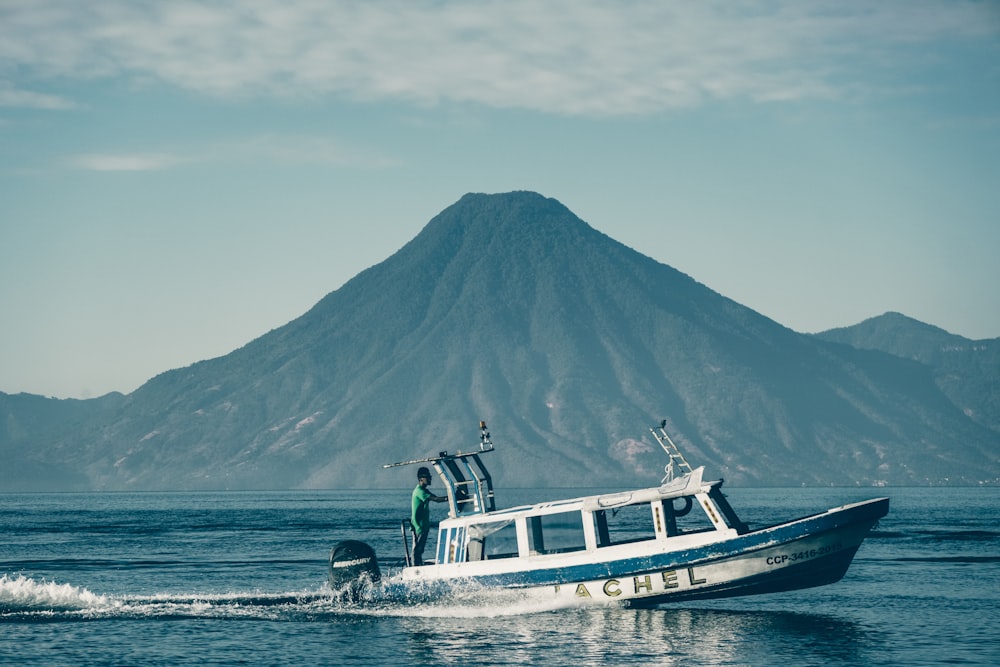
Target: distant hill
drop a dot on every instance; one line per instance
(31, 430)
(569, 344)
(967, 371)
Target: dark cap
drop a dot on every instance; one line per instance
(423, 472)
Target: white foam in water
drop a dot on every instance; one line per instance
(26, 594)
(458, 600)
(21, 595)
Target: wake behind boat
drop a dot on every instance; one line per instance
(679, 541)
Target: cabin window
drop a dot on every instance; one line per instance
(556, 533)
(625, 524)
(492, 540)
(729, 516)
(685, 515)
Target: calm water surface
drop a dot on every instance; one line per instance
(240, 578)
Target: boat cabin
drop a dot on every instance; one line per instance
(588, 523)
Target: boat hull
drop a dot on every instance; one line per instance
(811, 561)
(807, 552)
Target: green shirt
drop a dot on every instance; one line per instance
(420, 517)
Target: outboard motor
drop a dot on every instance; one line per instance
(352, 565)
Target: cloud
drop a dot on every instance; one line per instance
(123, 162)
(27, 99)
(582, 57)
(275, 149)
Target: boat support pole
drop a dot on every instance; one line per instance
(406, 544)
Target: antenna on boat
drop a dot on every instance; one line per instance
(485, 444)
(673, 453)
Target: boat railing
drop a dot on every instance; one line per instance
(467, 482)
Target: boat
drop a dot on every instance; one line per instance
(678, 541)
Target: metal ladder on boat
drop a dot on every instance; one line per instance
(673, 453)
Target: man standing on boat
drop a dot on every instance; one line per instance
(420, 517)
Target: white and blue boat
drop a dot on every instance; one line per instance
(678, 541)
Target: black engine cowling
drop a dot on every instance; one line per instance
(352, 564)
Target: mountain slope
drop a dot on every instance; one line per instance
(967, 371)
(509, 308)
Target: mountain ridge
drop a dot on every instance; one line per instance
(509, 308)
(966, 370)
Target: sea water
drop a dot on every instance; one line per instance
(240, 578)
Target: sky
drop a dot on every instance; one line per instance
(178, 178)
